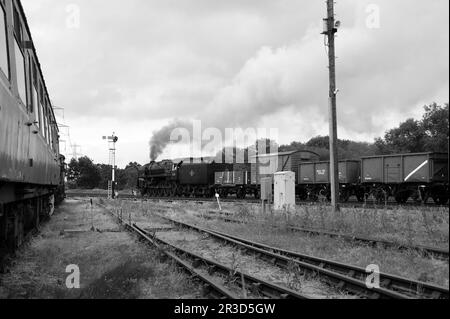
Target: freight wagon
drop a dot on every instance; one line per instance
(236, 182)
(265, 166)
(417, 176)
(314, 180)
(245, 179)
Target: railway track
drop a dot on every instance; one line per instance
(431, 252)
(253, 287)
(368, 205)
(345, 276)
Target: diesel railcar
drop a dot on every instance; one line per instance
(31, 169)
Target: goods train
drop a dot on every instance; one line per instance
(32, 170)
(406, 176)
(204, 178)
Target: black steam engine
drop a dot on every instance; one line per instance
(190, 179)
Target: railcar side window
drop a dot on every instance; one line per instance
(44, 106)
(34, 93)
(20, 59)
(21, 85)
(41, 110)
(30, 84)
(4, 61)
(49, 124)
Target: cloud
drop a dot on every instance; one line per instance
(388, 70)
(238, 63)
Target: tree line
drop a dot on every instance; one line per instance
(430, 134)
(85, 174)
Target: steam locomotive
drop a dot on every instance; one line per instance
(32, 170)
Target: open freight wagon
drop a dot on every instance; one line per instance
(417, 176)
(315, 182)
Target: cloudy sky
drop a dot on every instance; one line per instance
(133, 67)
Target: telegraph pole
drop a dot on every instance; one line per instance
(330, 31)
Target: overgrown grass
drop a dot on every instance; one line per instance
(113, 265)
(421, 226)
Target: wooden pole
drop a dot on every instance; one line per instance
(334, 164)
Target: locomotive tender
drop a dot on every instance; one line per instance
(32, 171)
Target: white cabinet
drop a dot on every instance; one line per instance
(284, 191)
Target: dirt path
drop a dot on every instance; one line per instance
(112, 263)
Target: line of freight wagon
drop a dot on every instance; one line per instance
(417, 176)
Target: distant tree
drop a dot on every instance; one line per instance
(319, 142)
(73, 172)
(89, 174)
(409, 137)
(131, 173)
(435, 124)
(346, 149)
(428, 135)
(105, 175)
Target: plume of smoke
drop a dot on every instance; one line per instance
(161, 138)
